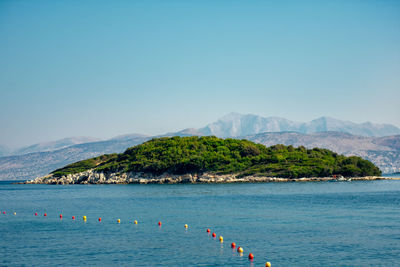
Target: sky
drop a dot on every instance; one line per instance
(106, 68)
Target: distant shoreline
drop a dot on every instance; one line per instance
(92, 177)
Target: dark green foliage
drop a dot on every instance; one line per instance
(83, 165)
(179, 155)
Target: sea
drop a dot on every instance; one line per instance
(287, 224)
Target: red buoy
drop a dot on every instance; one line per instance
(35, 213)
(214, 235)
(60, 216)
(73, 217)
(4, 212)
(233, 245)
(251, 256)
(99, 219)
(159, 223)
(45, 215)
(208, 230)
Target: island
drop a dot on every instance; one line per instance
(209, 159)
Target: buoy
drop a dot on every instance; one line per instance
(45, 215)
(251, 256)
(267, 264)
(99, 219)
(60, 216)
(135, 222)
(221, 239)
(186, 226)
(4, 212)
(84, 218)
(240, 250)
(35, 213)
(208, 230)
(233, 245)
(118, 221)
(159, 223)
(15, 213)
(214, 235)
(73, 217)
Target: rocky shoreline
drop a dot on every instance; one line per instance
(92, 177)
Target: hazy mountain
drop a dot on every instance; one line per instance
(4, 150)
(54, 145)
(235, 124)
(31, 165)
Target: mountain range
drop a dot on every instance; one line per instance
(235, 124)
(379, 143)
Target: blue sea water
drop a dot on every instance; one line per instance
(288, 224)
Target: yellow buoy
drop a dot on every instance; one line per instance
(15, 213)
(267, 264)
(186, 226)
(135, 222)
(119, 221)
(221, 239)
(240, 250)
(84, 218)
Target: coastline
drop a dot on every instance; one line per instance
(92, 177)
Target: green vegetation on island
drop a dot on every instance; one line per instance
(181, 155)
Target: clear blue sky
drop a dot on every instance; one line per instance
(104, 68)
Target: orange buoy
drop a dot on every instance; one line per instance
(233, 245)
(251, 256)
(159, 223)
(214, 235)
(35, 213)
(208, 230)
(119, 221)
(267, 264)
(99, 219)
(73, 217)
(45, 215)
(240, 250)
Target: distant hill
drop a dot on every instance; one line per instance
(54, 145)
(235, 124)
(39, 163)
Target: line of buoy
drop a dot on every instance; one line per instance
(233, 246)
(221, 239)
